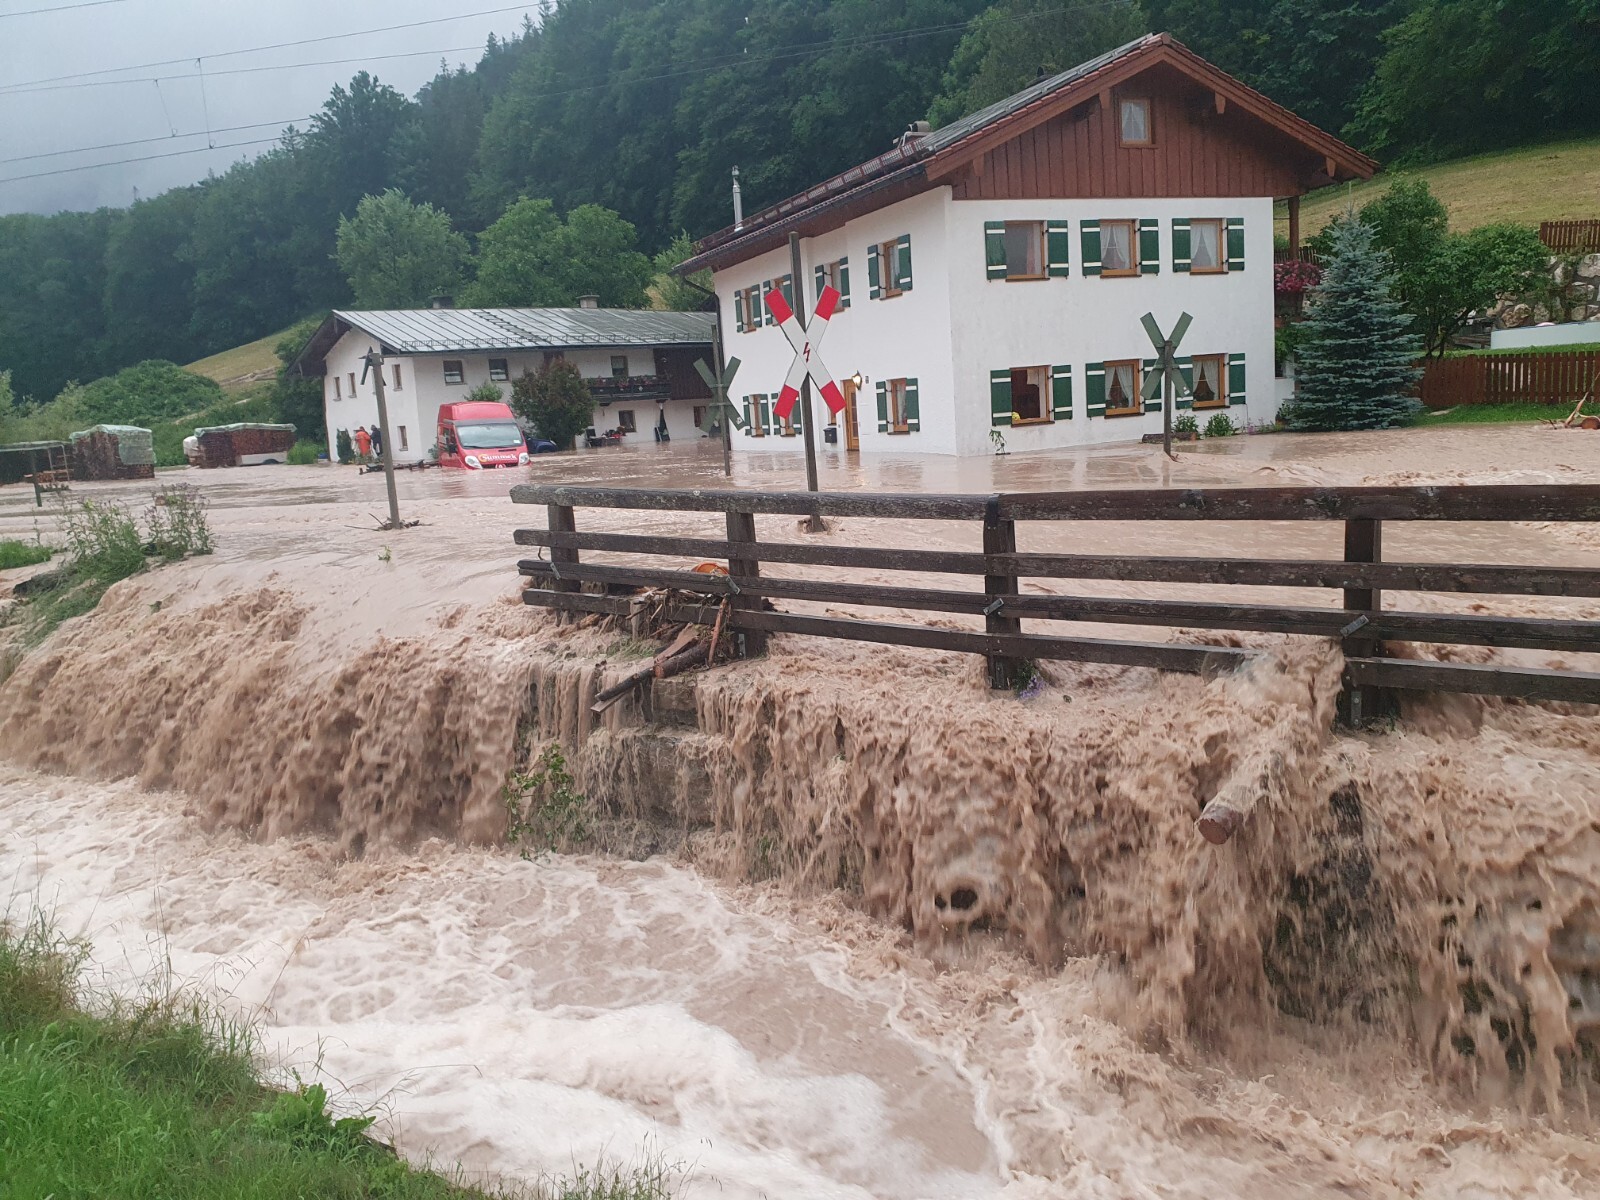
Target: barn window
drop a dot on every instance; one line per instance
(1135, 122)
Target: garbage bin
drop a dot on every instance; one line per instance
(830, 434)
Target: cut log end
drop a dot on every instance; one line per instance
(1219, 822)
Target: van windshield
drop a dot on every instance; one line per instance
(489, 435)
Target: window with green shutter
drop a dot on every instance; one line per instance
(1061, 392)
(1236, 386)
(902, 262)
(1186, 397)
(1235, 243)
(883, 406)
(1180, 245)
(1094, 389)
(749, 425)
(892, 264)
(786, 286)
(1150, 247)
(837, 276)
(1207, 379)
(766, 313)
(1000, 406)
(911, 407)
(874, 273)
(738, 311)
(1206, 244)
(764, 414)
(1152, 367)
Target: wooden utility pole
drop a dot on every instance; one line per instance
(374, 361)
(814, 522)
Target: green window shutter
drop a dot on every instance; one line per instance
(1094, 389)
(1061, 392)
(1186, 369)
(765, 316)
(913, 407)
(738, 311)
(994, 248)
(1236, 379)
(1000, 404)
(903, 275)
(1151, 366)
(874, 273)
(1058, 249)
(1089, 240)
(1235, 226)
(844, 283)
(786, 286)
(749, 425)
(764, 413)
(1181, 249)
(883, 407)
(821, 278)
(797, 417)
(1150, 247)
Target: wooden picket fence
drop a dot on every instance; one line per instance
(1554, 377)
(1571, 237)
(741, 593)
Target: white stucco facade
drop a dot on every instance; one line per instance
(956, 327)
(414, 398)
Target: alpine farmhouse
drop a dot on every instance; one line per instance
(639, 366)
(994, 272)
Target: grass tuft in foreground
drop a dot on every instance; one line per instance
(14, 553)
(158, 1098)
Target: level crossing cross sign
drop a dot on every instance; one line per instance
(1168, 376)
(806, 359)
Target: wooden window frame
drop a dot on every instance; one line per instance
(888, 275)
(405, 443)
(1221, 360)
(1221, 227)
(1133, 269)
(1044, 254)
(755, 309)
(627, 420)
(460, 372)
(895, 390)
(505, 369)
(398, 385)
(833, 276)
(1149, 122)
(1046, 407)
(338, 387)
(615, 372)
(352, 385)
(1136, 401)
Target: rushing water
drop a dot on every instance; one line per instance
(992, 955)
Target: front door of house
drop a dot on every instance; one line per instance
(852, 430)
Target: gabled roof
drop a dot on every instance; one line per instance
(466, 330)
(922, 162)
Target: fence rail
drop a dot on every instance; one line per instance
(1553, 377)
(1571, 237)
(1361, 624)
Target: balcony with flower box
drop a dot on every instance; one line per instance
(629, 387)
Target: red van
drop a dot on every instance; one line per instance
(480, 436)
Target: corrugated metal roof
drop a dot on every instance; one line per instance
(447, 330)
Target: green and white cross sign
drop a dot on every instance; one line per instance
(1167, 379)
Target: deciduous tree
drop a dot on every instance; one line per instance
(396, 254)
(556, 402)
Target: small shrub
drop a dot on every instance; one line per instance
(301, 1118)
(487, 393)
(22, 554)
(304, 454)
(1185, 424)
(177, 520)
(1220, 425)
(544, 812)
(345, 447)
(103, 542)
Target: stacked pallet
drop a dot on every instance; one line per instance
(244, 445)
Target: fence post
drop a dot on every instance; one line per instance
(563, 520)
(1000, 537)
(1363, 543)
(742, 528)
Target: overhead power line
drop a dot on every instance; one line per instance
(147, 141)
(34, 12)
(142, 158)
(332, 37)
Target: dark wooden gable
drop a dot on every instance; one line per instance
(1197, 150)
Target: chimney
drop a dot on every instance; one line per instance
(441, 301)
(738, 203)
(914, 133)
(588, 301)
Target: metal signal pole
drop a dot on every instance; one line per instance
(814, 522)
(374, 361)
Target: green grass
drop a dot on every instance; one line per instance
(22, 554)
(158, 1099)
(1514, 351)
(1496, 414)
(233, 368)
(249, 404)
(1557, 182)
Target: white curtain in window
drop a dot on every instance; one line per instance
(1115, 252)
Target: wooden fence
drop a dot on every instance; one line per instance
(1362, 624)
(1559, 378)
(1571, 237)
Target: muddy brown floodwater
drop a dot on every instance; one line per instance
(853, 925)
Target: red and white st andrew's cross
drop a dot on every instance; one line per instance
(806, 359)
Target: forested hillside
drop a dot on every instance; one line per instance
(643, 106)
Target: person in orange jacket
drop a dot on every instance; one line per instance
(363, 441)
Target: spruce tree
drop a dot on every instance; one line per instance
(1356, 365)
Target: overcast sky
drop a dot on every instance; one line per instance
(41, 113)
